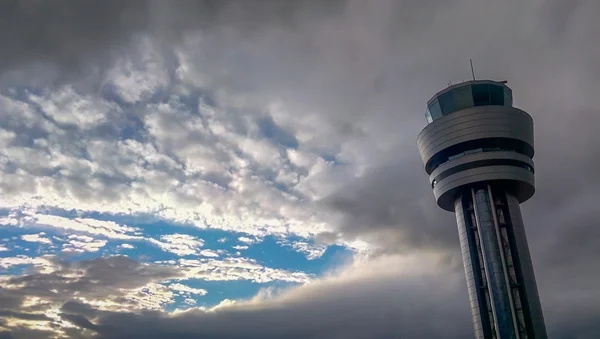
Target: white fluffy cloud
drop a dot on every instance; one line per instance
(311, 251)
(39, 238)
(197, 168)
(187, 290)
(237, 268)
(139, 76)
(107, 229)
(67, 107)
(43, 263)
(91, 234)
(180, 244)
(152, 296)
(209, 253)
(190, 302)
(83, 243)
(248, 240)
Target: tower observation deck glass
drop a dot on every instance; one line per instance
(461, 96)
(478, 151)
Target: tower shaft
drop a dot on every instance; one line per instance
(500, 280)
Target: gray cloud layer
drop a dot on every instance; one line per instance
(384, 309)
(368, 68)
(406, 300)
(79, 36)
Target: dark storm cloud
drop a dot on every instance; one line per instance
(544, 53)
(80, 37)
(104, 279)
(395, 197)
(9, 300)
(100, 277)
(70, 35)
(78, 308)
(24, 316)
(391, 207)
(389, 298)
(23, 332)
(79, 320)
(391, 306)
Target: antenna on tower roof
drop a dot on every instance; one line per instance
(472, 71)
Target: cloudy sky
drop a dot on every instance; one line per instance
(249, 169)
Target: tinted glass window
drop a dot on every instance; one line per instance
(508, 100)
(481, 95)
(428, 116)
(447, 102)
(463, 98)
(435, 109)
(496, 95)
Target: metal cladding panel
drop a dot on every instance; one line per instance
(499, 290)
(519, 180)
(532, 300)
(477, 157)
(472, 271)
(475, 123)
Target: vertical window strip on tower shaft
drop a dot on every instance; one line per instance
(523, 312)
(473, 262)
(514, 284)
(503, 258)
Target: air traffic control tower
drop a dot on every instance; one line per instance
(477, 149)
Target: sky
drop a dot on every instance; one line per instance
(249, 169)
